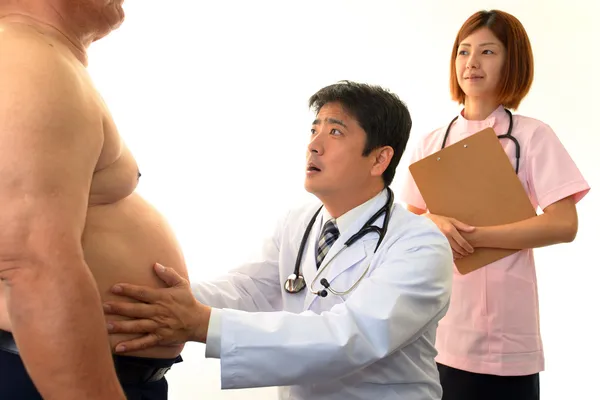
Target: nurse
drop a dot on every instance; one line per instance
(489, 342)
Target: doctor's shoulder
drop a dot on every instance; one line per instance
(417, 246)
(299, 215)
(407, 227)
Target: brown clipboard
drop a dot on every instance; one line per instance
(473, 181)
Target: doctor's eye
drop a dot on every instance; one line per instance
(336, 132)
(313, 131)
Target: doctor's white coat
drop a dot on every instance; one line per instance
(376, 343)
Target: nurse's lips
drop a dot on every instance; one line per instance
(474, 77)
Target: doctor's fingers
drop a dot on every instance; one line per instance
(134, 310)
(134, 326)
(145, 342)
(141, 293)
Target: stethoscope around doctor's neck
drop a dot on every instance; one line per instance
(295, 283)
(507, 135)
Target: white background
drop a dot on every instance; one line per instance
(211, 96)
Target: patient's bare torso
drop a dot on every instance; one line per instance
(124, 235)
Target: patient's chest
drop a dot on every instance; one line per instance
(117, 174)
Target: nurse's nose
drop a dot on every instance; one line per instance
(473, 61)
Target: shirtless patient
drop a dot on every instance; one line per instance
(71, 223)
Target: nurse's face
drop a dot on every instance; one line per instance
(479, 61)
(335, 165)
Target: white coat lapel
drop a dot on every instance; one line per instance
(309, 262)
(347, 257)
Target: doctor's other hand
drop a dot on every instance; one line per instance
(451, 228)
(165, 317)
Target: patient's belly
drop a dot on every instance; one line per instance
(121, 243)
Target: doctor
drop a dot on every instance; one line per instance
(319, 319)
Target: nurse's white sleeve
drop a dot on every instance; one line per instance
(405, 294)
(254, 286)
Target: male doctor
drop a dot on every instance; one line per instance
(363, 325)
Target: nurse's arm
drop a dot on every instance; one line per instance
(557, 224)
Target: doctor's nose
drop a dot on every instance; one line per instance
(315, 145)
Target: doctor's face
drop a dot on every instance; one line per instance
(335, 164)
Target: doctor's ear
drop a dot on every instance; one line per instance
(383, 157)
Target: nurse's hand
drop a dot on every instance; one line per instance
(166, 317)
(452, 229)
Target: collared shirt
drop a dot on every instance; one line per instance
(492, 325)
(343, 222)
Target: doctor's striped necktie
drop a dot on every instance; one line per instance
(328, 237)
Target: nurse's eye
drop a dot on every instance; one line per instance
(462, 53)
(487, 52)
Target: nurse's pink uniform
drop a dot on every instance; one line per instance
(492, 325)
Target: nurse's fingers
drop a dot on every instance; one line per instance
(461, 226)
(456, 247)
(462, 242)
(141, 293)
(459, 244)
(136, 326)
(145, 342)
(132, 310)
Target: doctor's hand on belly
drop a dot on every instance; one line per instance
(165, 317)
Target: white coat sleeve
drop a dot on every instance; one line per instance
(405, 294)
(254, 286)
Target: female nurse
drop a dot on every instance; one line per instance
(489, 342)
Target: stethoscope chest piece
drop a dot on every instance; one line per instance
(294, 284)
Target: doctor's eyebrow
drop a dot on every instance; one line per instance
(331, 121)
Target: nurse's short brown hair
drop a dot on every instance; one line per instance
(517, 72)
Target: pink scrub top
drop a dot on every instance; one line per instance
(492, 325)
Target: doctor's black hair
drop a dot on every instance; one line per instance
(380, 113)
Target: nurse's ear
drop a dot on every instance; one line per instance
(382, 157)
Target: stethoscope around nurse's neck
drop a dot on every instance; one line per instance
(295, 283)
(507, 135)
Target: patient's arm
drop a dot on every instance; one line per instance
(47, 158)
